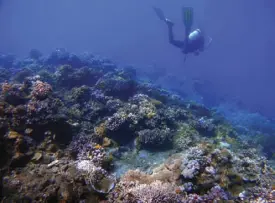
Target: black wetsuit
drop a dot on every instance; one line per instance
(192, 46)
(176, 43)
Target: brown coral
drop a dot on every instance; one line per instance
(5, 87)
(41, 90)
(100, 130)
(154, 192)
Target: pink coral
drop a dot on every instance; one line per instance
(41, 90)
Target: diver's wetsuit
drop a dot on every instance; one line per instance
(194, 40)
(177, 43)
(192, 46)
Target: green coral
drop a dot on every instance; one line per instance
(21, 75)
(80, 94)
(225, 134)
(47, 76)
(150, 115)
(101, 85)
(224, 172)
(156, 102)
(75, 112)
(185, 136)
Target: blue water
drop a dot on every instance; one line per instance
(234, 75)
(239, 64)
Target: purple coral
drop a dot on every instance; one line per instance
(216, 193)
(115, 122)
(191, 169)
(86, 149)
(205, 125)
(90, 158)
(98, 95)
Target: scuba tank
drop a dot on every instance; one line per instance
(196, 39)
(195, 35)
(188, 20)
(194, 42)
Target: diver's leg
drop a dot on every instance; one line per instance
(172, 41)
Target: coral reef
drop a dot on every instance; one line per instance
(77, 128)
(41, 90)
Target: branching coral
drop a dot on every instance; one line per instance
(155, 192)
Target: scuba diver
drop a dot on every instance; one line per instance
(194, 42)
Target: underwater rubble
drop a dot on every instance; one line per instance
(78, 128)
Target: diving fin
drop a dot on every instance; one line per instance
(187, 17)
(159, 13)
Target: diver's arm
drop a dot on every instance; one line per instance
(172, 41)
(208, 43)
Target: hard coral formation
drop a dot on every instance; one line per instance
(14, 94)
(154, 138)
(136, 187)
(150, 193)
(120, 84)
(67, 124)
(41, 90)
